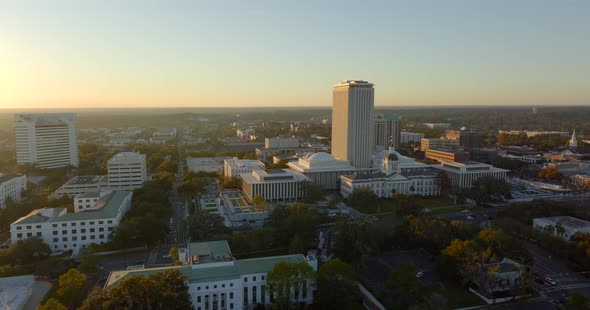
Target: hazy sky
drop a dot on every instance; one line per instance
(123, 53)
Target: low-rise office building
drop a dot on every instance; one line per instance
(235, 166)
(463, 175)
(411, 137)
(11, 186)
(569, 226)
(266, 154)
(64, 231)
(217, 280)
(237, 211)
(88, 201)
(273, 184)
(281, 142)
(127, 170)
(206, 164)
(82, 185)
(432, 143)
(447, 154)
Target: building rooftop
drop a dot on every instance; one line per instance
(8, 176)
(218, 248)
(354, 83)
(88, 179)
(89, 195)
(107, 207)
(125, 156)
(566, 221)
(206, 274)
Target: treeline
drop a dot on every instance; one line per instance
(146, 222)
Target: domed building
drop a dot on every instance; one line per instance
(397, 174)
(323, 169)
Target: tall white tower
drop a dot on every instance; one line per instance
(46, 140)
(573, 140)
(352, 122)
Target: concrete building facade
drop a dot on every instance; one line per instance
(463, 175)
(11, 186)
(273, 184)
(352, 122)
(46, 140)
(235, 166)
(388, 130)
(127, 170)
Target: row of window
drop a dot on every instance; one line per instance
(73, 224)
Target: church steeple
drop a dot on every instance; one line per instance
(573, 140)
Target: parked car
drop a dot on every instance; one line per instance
(419, 274)
(550, 281)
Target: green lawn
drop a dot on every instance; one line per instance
(458, 297)
(439, 211)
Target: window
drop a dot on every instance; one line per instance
(74, 231)
(28, 226)
(92, 237)
(231, 284)
(110, 228)
(254, 279)
(19, 235)
(245, 279)
(74, 238)
(215, 286)
(55, 239)
(101, 229)
(262, 278)
(207, 287)
(100, 222)
(29, 235)
(231, 305)
(64, 239)
(254, 295)
(64, 224)
(55, 232)
(223, 285)
(54, 225)
(83, 230)
(110, 221)
(101, 236)
(231, 295)
(82, 223)
(245, 296)
(83, 237)
(198, 288)
(38, 234)
(198, 298)
(73, 224)
(91, 223)
(92, 229)
(64, 232)
(37, 226)
(19, 227)
(262, 294)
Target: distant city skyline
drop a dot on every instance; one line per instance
(126, 54)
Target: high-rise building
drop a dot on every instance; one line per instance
(470, 138)
(46, 140)
(352, 122)
(387, 131)
(127, 170)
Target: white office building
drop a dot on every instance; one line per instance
(398, 174)
(463, 175)
(127, 170)
(46, 140)
(437, 143)
(81, 185)
(281, 142)
(411, 137)
(235, 166)
(88, 201)
(352, 122)
(388, 129)
(323, 169)
(217, 280)
(569, 226)
(273, 184)
(64, 231)
(11, 186)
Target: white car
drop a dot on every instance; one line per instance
(470, 217)
(550, 281)
(419, 274)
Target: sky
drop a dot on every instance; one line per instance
(131, 53)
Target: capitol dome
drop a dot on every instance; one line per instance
(320, 157)
(393, 156)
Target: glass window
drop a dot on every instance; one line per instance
(64, 232)
(55, 232)
(55, 239)
(64, 239)
(54, 225)
(74, 231)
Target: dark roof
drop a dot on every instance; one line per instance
(8, 176)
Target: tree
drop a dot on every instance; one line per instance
(52, 304)
(412, 294)
(282, 164)
(174, 253)
(165, 290)
(355, 239)
(287, 278)
(577, 301)
(337, 286)
(25, 252)
(230, 182)
(311, 192)
(69, 287)
(488, 189)
(203, 225)
(550, 173)
(363, 199)
(296, 246)
(259, 201)
(98, 299)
